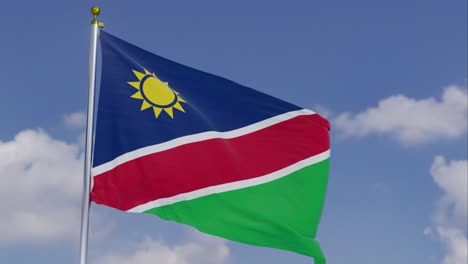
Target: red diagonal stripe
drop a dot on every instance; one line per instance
(211, 162)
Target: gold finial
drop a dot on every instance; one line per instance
(95, 11)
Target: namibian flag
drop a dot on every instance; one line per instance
(204, 151)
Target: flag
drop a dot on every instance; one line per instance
(204, 151)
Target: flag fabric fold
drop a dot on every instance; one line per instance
(201, 150)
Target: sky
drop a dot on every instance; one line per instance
(391, 76)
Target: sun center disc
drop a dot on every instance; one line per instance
(157, 93)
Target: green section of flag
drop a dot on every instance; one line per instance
(282, 214)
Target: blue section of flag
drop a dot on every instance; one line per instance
(212, 103)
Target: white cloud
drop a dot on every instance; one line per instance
(410, 120)
(75, 120)
(40, 188)
(323, 111)
(452, 178)
(450, 216)
(456, 245)
(199, 249)
(428, 232)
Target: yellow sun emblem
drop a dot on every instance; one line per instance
(156, 94)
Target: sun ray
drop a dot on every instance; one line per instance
(137, 95)
(179, 107)
(157, 111)
(169, 112)
(139, 75)
(145, 105)
(147, 72)
(135, 85)
(181, 99)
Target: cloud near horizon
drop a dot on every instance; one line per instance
(197, 249)
(76, 120)
(411, 121)
(41, 188)
(450, 216)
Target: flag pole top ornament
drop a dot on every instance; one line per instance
(95, 11)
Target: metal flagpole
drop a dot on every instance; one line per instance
(95, 24)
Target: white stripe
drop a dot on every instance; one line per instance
(233, 185)
(196, 138)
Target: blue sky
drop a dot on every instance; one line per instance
(390, 75)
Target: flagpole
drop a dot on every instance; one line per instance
(95, 24)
